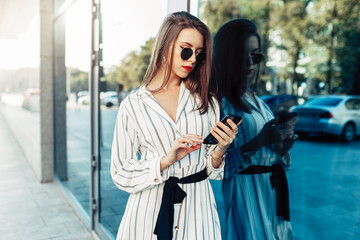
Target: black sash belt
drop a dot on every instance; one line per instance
(173, 194)
(279, 182)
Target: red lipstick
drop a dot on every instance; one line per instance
(187, 68)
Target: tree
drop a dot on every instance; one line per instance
(336, 26)
(132, 68)
(216, 13)
(79, 80)
(292, 21)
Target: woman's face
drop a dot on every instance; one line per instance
(252, 46)
(188, 38)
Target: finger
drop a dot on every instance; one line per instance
(226, 129)
(192, 136)
(217, 137)
(225, 138)
(292, 121)
(193, 148)
(194, 139)
(188, 141)
(183, 145)
(233, 126)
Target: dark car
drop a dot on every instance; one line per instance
(337, 115)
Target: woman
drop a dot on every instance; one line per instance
(259, 152)
(157, 152)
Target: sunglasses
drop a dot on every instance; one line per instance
(256, 58)
(186, 54)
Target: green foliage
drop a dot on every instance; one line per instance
(319, 36)
(218, 12)
(79, 80)
(335, 26)
(132, 68)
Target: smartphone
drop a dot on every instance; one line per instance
(210, 139)
(285, 116)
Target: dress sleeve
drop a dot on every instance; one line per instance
(128, 172)
(213, 173)
(284, 161)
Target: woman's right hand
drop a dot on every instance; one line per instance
(272, 133)
(180, 148)
(284, 131)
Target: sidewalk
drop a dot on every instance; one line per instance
(30, 210)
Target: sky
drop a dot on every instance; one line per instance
(126, 26)
(23, 51)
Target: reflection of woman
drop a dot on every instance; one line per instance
(157, 154)
(259, 153)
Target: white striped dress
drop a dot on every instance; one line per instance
(144, 128)
(249, 200)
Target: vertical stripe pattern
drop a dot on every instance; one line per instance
(249, 200)
(142, 126)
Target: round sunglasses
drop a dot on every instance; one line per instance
(186, 54)
(256, 58)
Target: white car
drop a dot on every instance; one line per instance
(110, 100)
(334, 114)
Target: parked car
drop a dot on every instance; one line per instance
(336, 115)
(280, 103)
(31, 100)
(81, 94)
(84, 100)
(110, 100)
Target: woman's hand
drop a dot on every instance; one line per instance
(225, 135)
(180, 148)
(272, 133)
(284, 146)
(288, 137)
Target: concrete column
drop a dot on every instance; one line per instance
(59, 80)
(46, 91)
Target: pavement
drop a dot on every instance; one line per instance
(28, 209)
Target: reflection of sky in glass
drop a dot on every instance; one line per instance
(23, 51)
(127, 25)
(78, 35)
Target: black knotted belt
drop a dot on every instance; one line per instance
(279, 182)
(173, 194)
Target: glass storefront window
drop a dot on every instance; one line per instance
(128, 31)
(324, 170)
(72, 66)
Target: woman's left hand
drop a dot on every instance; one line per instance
(224, 134)
(284, 146)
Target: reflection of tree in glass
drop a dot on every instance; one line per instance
(319, 38)
(336, 28)
(292, 20)
(78, 80)
(216, 13)
(132, 68)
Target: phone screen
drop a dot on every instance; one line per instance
(210, 139)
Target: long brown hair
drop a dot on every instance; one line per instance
(198, 80)
(230, 61)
